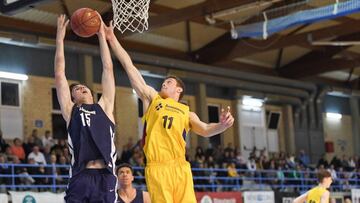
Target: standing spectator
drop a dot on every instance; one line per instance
(304, 158)
(38, 156)
(48, 140)
(3, 143)
(18, 150)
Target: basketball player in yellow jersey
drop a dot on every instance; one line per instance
(318, 194)
(166, 123)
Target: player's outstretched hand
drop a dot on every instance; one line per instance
(226, 119)
(109, 31)
(62, 23)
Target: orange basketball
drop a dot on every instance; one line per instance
(85, 22)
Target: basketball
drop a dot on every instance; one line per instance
(85, 22)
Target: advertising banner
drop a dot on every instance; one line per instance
(259, 197)
(285, 197)
(218, 197)
(355, 195)
(36, 197)
(4, 198)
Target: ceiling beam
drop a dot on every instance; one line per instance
(193, 11)
(17, 25)
(319, 66)
(298, 68)
(231, 48)
(19, 6)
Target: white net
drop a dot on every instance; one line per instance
(131, 15)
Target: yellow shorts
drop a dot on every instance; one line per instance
(170, 182)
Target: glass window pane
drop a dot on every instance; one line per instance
(55, 101)
(9, 94)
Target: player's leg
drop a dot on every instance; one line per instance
(184, 185)
(159, 183)
(77, 190)
(103, 185)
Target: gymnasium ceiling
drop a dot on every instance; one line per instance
(178, 29)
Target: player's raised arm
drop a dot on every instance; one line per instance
(107, 80)
(62, 87)
(210, 129)
(145, 92)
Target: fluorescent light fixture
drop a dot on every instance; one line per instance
(335, 43)
(336, 116)
(248, 101)
(13, 76)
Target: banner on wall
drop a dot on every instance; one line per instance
(218, 197)
(285, 197)
(259, 197)
(36, 197)
(355, 195)
(4, 198)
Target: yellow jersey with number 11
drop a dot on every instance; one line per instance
(166, 124)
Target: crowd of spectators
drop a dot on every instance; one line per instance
(44, 156)
(216, 167)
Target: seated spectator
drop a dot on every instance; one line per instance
(48, 140)
(37, 139)
(4, 170)
(323, 161)
(240, 161)
(251, 164)
(336, 162)
(64, 170)
(127, 151)
(3, 143)
(9, 154)
(58, 148)
(38, 156)
(232, 173)
(18, 150)
(28, 145)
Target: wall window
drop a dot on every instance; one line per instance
(10, 94)
(55, 102)
(213, 111)
(57, 121)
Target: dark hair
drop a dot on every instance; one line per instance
(124, 165)
(323, 174)
(179, 83)
(71, 87)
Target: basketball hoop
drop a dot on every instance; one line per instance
(131, 15)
